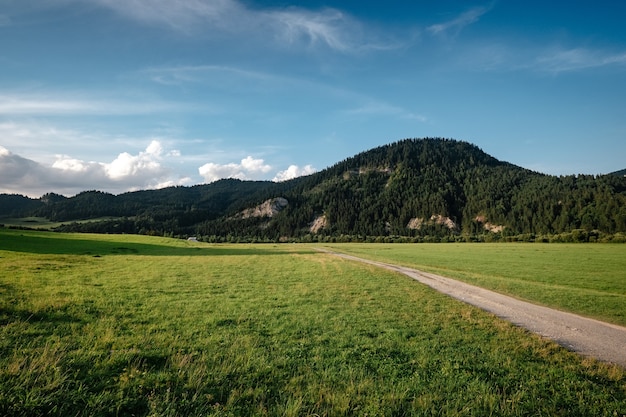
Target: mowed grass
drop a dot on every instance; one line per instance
(130, 325)
(587, 279)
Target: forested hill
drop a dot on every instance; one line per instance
(620, 173)
(414, 188)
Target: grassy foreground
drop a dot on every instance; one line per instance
(587, 279)
(130, 325)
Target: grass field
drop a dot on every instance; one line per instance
(588, 279)
(130, 325)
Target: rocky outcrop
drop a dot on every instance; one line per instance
(416, 223)
(268, 208)
(318, 224)
(490, 227)
(445, 221)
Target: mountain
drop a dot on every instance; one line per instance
(416, 188)
(621, 173)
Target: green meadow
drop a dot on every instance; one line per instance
(117, 325)
(587, 279)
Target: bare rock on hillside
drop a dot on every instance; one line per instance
(416, 223)
(268, 208)
(494, 228)
(445, 221)
(318, 224)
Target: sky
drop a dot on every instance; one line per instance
(123, 95)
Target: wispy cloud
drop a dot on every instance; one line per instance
(293, 26)
(39, 139)
(377, 108)
(208, 73)
(563, 60)
(500, 56)
(457, 24)
(249, 81)
(52, 104)
(180, 15)
(329, 27)
(242, 80)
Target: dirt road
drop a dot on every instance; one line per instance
(603, 341)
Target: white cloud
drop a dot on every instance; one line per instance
(248, 169)
(212, 172)
(255, 165)
(155, 149)
(67, 163)
(294, 171)
(170, 183)
(127, 165)
(68, 175)
(15, 170)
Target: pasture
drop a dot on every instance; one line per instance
(131, 325)
(587, 279)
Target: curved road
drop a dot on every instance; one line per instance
(589, 337)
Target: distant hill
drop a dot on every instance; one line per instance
(621, 173)
(14, 205)
(417, 188)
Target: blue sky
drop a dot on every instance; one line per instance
(125, 95)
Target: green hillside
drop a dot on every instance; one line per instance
(414, 188)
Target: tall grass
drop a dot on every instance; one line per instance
(127, 325)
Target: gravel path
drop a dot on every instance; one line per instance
(589, 337)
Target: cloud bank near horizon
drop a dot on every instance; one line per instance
(147, 169)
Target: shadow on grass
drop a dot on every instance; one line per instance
(53, 317)
(59, 244)
(50, 317)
